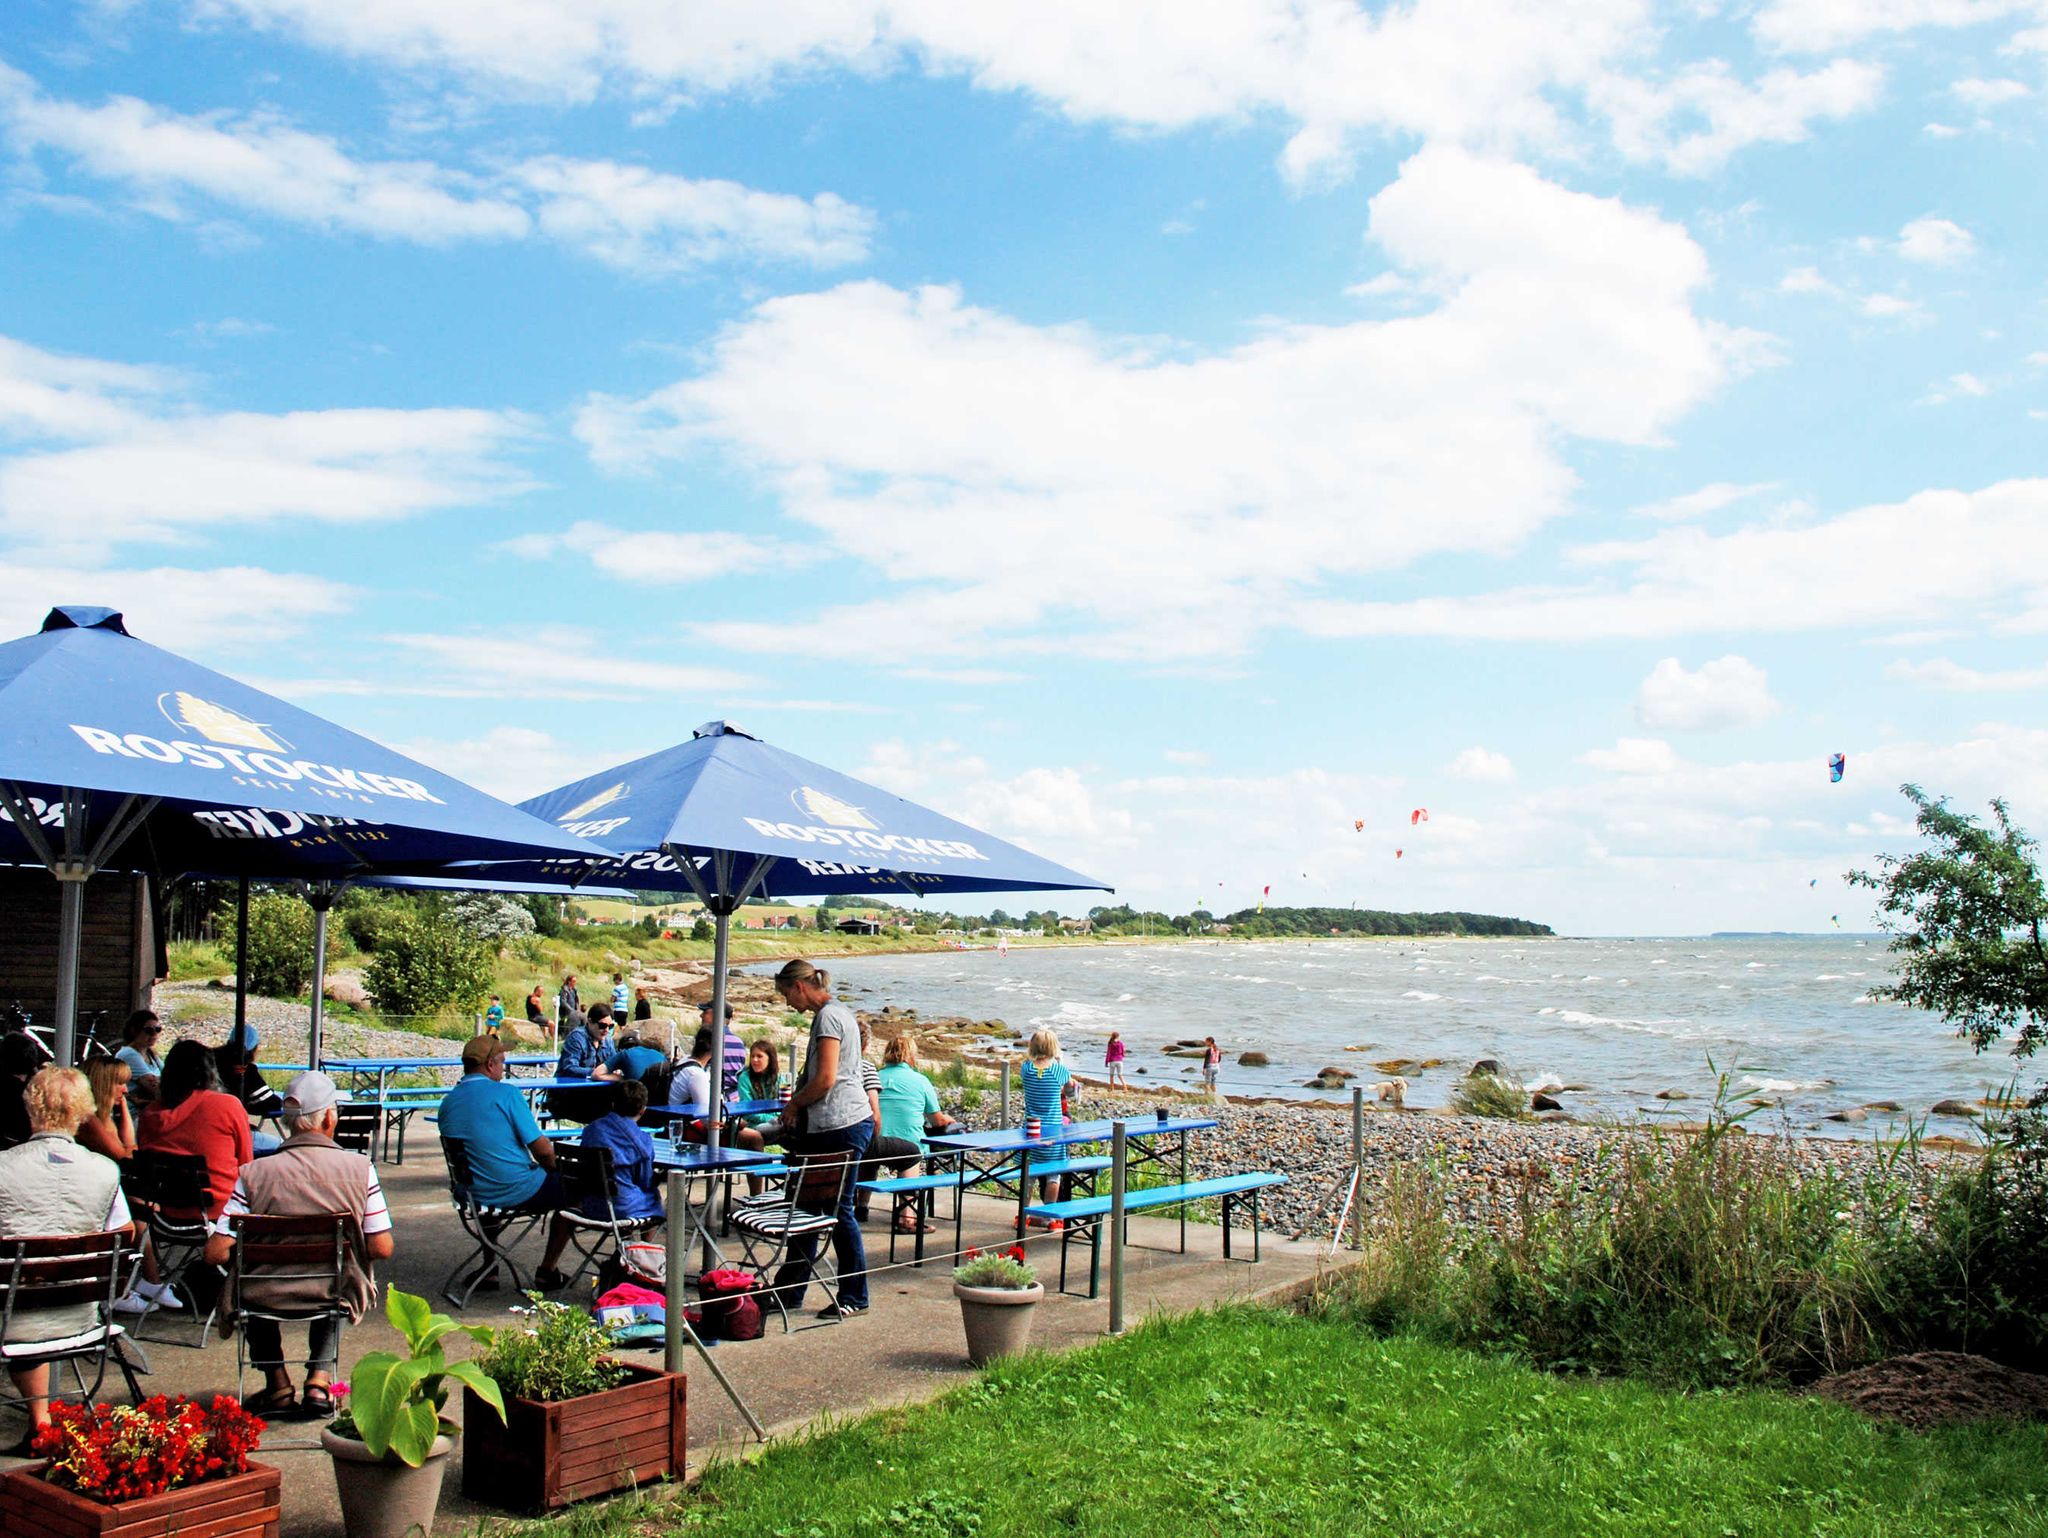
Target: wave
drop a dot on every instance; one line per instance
(1655, 1027)
(1426, 998)
(1825, 977)
(1768, 1086)
(1240, 977)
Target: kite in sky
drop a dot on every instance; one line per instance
(1420, 814)
(1397, 854)
(1837, 765)
(1358, 826)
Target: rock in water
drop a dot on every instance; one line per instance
(1488, 1066)
(1951, 1108)
(1252, 1060)
(1542, 1102)
(1854, 1115)
(1672, 1094)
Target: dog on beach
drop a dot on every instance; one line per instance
(1391, 1090)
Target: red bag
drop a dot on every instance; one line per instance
(731, 1309)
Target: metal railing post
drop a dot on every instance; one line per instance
(676, 1267)
(1357, 1168)
(1119, 1168)
(1004, 1069)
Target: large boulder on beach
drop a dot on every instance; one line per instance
(1854, 1114)
(1252, 1060)
(1951, 1108)
(1542, 1102)
(1487, 1066)
(347, 990)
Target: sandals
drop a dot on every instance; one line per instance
(272, 1403)
(908, 1222)
(316, 1403)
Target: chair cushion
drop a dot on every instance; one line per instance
(781, 1220)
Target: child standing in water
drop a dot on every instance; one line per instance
(1113, 1060)
(1212, 1059)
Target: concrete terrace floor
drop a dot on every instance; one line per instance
(909, 1346)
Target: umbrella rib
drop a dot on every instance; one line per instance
(12, 797)
(126, 819)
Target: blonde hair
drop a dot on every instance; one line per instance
(58, 1099)
(1044, 1046)
(104, 1074)
(902, 1049)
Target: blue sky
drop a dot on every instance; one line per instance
(1165, 435)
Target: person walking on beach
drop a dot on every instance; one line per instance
(1212, 1059)
(622, 996)
(567, 1005)
(1113, 1060)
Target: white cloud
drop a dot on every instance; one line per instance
(973, 678)
(512, 762)
(1697, 504)
(1935, 242)
(627, 216)
(1693, 122)
(187, 610)
(1179, 499)
(1940, 673)
(557, 662)
(1986, 94)
(1937, 557)
(1729, 691)
(1633, 755)
(654, 556)
(1482, 73)
(1482, 766)
(1818, 26)
(1808, 280)
(1956, 387)
(1192, 758)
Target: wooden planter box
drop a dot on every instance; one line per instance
(240, 1506)
(546, 1455)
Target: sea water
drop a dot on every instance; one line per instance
(1789, 1021)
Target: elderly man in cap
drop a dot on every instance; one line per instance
(511, 1165)
(308, 1176)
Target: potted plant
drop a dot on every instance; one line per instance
(390, 1440)
(577, 1423)
(998, 1292)
(167, 1465)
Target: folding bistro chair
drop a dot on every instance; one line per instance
(587, 1174)
(285, 1250)
(496, 1230)
(65, 1272)
(172, 1193)
(807, 1206)
(356, 1127)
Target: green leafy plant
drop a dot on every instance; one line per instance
(1007, 1269)
(427, 962)
(1488, 1094)
(395, 1402)
(562, 1354)
(280, 944)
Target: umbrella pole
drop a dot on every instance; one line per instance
(322, 898)
(720, 937)
(242, 968)
(71, 879)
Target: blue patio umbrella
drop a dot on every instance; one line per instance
(730, 818)
(116, 753)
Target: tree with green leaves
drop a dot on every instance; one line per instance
(1966, 915)
(280, 944)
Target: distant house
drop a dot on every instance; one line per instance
(858, 927)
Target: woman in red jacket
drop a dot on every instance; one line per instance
(193, 1116)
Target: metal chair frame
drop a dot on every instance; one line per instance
(589, 1172)
(160, 1187)
(769, 1229)
(274, 1242)
(62, 1270)
(486, 1224)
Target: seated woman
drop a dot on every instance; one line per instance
(110, 1132)
(193, 1116)
(636, 1189)
(138, 1050)
(895, 1155)
(910, 1111)
(692, 1090)
(761, 1079)
(51, 1186)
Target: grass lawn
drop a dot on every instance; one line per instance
(1252, 1421)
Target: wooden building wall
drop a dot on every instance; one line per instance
(117, 967)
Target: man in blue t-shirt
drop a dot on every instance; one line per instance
(511, 1165)
(633, 1060)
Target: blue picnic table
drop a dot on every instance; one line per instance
(1006, 1154)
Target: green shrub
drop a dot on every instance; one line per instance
(280, 944)
(561, 1355)
(1974, 1277)
(701, 930)
(1488, 1094)
(426, 963)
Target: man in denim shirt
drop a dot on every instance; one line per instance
(586, 1045)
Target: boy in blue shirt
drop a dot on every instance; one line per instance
(636, 1192)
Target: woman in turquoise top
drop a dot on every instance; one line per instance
(1047, 1084)
(761, 1080)
(910, 1109)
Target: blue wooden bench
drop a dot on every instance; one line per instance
(959, 1180)
(1085, 1214)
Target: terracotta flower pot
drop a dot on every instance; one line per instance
(31, 1507)
(382, 1497)
(997, 1319)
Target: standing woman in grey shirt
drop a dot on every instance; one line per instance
(827, 1117)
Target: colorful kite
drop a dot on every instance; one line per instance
(1358, 826)
(1397, 854)
(1837, 765)
(1420, 814)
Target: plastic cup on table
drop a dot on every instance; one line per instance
(1160, 1112)
(1032, 1129)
